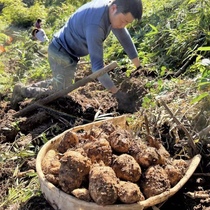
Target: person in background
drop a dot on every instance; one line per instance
(38, 23)
(84, 34)
(40, 35)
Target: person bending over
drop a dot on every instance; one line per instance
(84, 33)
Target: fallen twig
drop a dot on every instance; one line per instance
(199, 194)
(147, 124)
(25, 173)
(57, 113)
(190, 139)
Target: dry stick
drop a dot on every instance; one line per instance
(190, 140)
(198, 194)
(147, 124)
(65, 91)
(55, 113)
(201, 174)
(204, 132)
(183, 68)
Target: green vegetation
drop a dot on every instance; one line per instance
(172, 37)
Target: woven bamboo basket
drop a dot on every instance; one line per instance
(60, 200)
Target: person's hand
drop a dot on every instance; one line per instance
(121, 96)
(125, 103)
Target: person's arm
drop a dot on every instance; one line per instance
(125, 40)
(95, 38)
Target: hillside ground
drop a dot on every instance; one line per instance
(24, 134)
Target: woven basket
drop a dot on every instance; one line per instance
(60, 200)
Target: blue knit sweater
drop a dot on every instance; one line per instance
(85, 32)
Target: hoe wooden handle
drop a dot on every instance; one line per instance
(67, 90)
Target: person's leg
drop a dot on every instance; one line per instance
(34, 92)
(17, 95)
(63, 70)
(21, 92)
(63, 67)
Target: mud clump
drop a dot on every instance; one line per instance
(126, 168)
(108, 165)
(103, 185)
(74, 167)
(155, 181)
(129, 192)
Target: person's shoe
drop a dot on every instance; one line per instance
(17, 95)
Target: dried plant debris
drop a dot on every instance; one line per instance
(109, 165)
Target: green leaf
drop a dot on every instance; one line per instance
(192, 1)
(153, 32)
(200, 97)
(204, 48)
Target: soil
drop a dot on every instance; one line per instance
(80, 107)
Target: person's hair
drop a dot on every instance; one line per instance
(39, 20)
(133, 6)
(36, 30)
